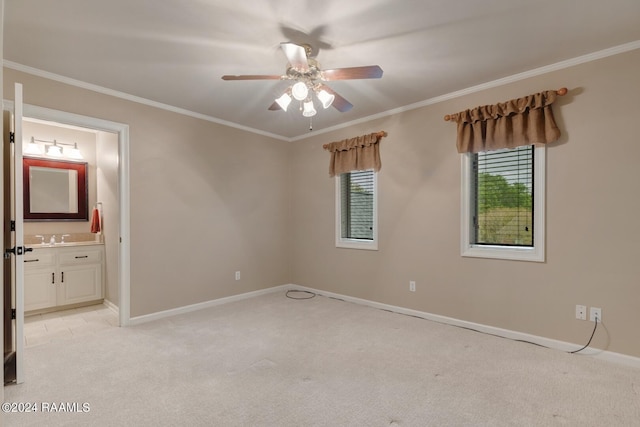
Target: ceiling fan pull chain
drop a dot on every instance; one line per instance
(310, 124)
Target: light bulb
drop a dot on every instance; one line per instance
(300, 91)
(284, 101)
(72, 152)
(325, 98)
(33, 148)
(309, 110)
(54, 150)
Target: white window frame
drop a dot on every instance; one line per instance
(535, 253)
(342, 242)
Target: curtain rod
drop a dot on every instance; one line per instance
(560, 92)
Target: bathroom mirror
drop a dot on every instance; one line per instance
(55, 190)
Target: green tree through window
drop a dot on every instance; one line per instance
(504, 197)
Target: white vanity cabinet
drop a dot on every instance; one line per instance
(40, 289)
(63, 275)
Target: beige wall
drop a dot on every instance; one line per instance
(592, 210)
(108, 196)
(206, 200)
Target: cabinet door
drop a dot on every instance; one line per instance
(40, 289)
(80, 283)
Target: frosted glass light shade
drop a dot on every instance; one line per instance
(326, 98)
(300, 91)
(33, 148)
(284, 101)
(72, 152)
(309, 110)
(54, 151)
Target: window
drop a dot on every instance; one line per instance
(503, 204)
(356, 210)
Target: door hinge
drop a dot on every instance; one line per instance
(13, 313)
(12, 225)
(12, 137)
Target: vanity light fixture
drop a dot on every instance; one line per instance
(53, 148)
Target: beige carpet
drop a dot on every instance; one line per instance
(274, 361)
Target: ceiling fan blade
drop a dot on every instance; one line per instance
(275, 106)
(366, 72)
(251, 77)
(339, 103)
(296, 55)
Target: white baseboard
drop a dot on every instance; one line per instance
(111, 306)
(506, 333)
(202, 305)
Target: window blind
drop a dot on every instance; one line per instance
(356, 201)
(503, 197)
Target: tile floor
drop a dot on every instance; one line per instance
(67, 324)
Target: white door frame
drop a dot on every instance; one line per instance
(62, 117)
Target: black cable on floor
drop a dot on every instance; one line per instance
(515, 339)
(296, 291)
(475, 330)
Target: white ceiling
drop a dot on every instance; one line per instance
(175, 51)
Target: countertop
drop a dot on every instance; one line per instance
(62, 245)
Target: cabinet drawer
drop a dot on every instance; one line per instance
(81, 257)
(38, 259)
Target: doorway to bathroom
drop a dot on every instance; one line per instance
(106, 146)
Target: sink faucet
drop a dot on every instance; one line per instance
(41, 237)
(63, 236)
(52, 241)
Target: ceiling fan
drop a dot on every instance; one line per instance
(308, 79)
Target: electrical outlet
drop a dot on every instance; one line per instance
(595, 312)
(581, 312)
(237, 275)
(412, 286)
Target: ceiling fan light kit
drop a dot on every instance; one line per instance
(300, 91)
(309, 78)
(326, 98)
(284, 101)
(309, 110)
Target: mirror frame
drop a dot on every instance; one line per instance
(83, 195)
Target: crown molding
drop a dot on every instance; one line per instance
(488, 85)
(122, 95)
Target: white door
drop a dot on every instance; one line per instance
(14, 244)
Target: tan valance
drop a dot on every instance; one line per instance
(522, 121)
(359, 153)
